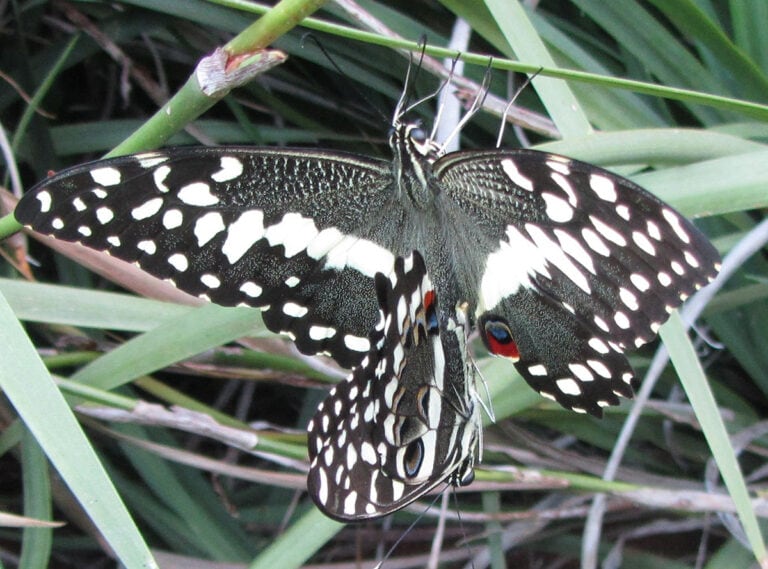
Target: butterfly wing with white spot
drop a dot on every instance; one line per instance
(290, 230)
(405, 420)
(585, 256)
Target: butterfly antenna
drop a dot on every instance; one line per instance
(399, 112)
(441, 106)
(511, 102)
(411, 75)
(434, 93)
(310, 36)
(477, 104)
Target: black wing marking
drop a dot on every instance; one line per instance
(213, 221)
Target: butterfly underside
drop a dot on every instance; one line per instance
(406, 419)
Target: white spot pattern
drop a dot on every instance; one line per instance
(558, 209)
(318, 333)
(242, 234)
(623, 212)
(640, 282)
(644, 243)
(250, 288)
(581, 372)
(208, 226)
(209, 280)
(537, 370)
(231, 168)
(621, 319)
(595, 242)
(356, 343)
(106, 176)
(159, 176)
(598, 345)
(569, 386)
(147, 209)
(510, 169)
(566, 186)
(653, 230)
(179, 262)
(628, 298)
(603, 187)
(608, 232)
(173, 218)
(294, 310)
(104, 215)
(44, 197)
(294, 232)
(197, 194)
(148, 246)
(674, 222)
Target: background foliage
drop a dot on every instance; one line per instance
(144, 374)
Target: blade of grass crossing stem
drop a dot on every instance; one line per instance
(30, 389)
(559, 100)
(700, 395)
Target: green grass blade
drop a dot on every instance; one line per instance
(697, 389)
(29, 387)
(299, 542)
(55, 304)
(36, 545)
(173, 341)
(525, 42)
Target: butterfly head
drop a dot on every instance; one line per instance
(411, 136)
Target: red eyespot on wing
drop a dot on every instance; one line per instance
(429, 299)
(498, 339)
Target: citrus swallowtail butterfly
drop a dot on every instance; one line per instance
(562, 266)
(406, 419)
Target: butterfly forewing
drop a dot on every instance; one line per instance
(585, 266)
(403, 421)
(293, 232)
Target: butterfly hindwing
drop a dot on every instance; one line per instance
(400, 424)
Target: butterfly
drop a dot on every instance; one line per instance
(562, 266)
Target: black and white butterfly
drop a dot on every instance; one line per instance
(407, 418)
(563, 266)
